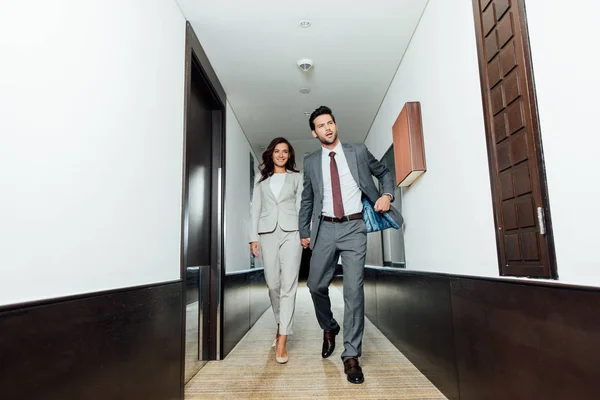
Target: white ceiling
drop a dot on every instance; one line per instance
(253, 47)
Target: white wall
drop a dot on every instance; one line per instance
(564, 36)
(448, 211)
(237, 195)
(91, 128)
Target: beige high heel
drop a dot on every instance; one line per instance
(284, 359)
(281, 360)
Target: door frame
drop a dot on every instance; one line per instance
(196, 61)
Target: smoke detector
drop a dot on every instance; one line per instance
(304, 90)
(305, 64)
(305, 23)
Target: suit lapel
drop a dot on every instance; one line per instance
(319, 171)
(285, 187)
(267, 188)
(350, 154)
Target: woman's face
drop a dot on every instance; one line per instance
(281, 154)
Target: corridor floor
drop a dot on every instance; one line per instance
(250, 370)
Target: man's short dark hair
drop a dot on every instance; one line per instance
(318, 112)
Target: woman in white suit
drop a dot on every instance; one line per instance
(274, 233)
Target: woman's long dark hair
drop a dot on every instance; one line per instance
(267, 168)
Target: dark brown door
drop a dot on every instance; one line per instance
(197, 232)
(199, 171)
(202, 217)
(523, 230)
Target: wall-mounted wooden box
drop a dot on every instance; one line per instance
(409, 149)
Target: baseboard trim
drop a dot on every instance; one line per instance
(80, 296)
(503, 279)
(392, 264)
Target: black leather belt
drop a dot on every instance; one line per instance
(344, 218)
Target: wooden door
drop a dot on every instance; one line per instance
(522, 218)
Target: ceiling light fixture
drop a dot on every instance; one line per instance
(304, 90)
(305, 64)
(305, 23)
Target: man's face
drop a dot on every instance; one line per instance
(325, 129)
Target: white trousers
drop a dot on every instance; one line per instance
(282, 253)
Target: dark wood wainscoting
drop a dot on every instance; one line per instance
(415, 313)
(245, 299)
(121, 344)
(519, 341)
(478, 338)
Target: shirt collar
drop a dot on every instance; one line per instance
(337, 149)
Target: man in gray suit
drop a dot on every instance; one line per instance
(331, 223)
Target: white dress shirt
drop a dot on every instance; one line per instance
(351, 193)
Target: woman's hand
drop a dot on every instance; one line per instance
(255, 249)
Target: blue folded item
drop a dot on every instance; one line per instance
(374, 220)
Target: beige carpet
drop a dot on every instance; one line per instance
(250, 370)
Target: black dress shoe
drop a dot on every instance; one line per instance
(353, 371)
(329, 342)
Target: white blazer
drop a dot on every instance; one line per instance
(268, 211)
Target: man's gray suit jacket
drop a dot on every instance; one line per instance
(363, 166)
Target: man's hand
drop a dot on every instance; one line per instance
(305, 242)
(255, 249)
(383, 204)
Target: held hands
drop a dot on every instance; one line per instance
(255, 249)
(305, 242)
(383, 204)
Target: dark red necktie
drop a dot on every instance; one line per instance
(336, 191)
